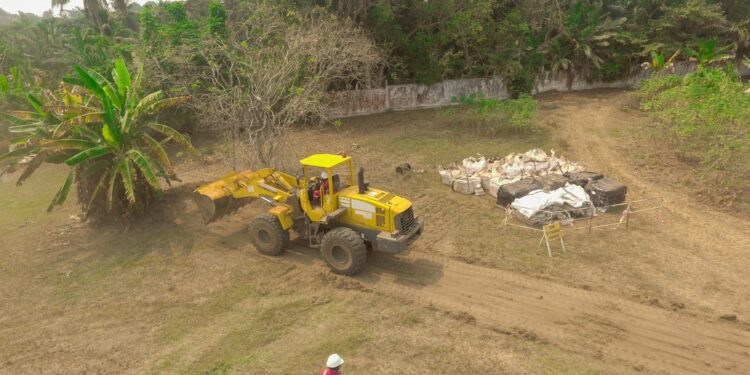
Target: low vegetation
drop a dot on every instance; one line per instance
(493, 117)
(705, 115)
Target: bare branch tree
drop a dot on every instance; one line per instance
(275, 70)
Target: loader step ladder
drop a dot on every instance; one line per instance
(314, 228)
(312, 234)
(333, 215)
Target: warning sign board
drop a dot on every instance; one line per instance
(552, 232)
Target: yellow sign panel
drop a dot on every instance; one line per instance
(552, 231)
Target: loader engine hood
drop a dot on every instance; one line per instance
(376, 209)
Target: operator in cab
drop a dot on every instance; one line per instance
(321, 188)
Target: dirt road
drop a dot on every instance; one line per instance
(575, 319)
(596, 324)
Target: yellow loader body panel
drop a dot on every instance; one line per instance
(375, 209)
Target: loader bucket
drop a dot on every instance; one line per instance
(214, 209)
(223, 197)
(215, 200)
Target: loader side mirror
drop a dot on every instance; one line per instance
(361, 181)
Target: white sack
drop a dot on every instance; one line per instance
(536, 154)
(487, 176)
(474, 165)
(467, 185)
(447, 175)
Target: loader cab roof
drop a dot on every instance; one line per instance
(324, 160)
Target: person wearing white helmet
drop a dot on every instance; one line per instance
(321, 188)
(333, 365)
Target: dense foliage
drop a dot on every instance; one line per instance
(428, 41)
(706, 116)
(421, 41)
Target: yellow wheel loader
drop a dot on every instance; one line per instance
(326, 207)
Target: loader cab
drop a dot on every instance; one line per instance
(340, 171)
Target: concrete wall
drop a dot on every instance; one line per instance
(416, 96)
(413, 96)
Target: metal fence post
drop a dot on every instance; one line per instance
(387, 97)
(627, 217)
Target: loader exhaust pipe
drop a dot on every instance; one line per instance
(361, 181)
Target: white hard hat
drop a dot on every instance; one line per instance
(324, 174)
(334, 360)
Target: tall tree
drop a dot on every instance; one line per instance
(60, 3)
(96, 12)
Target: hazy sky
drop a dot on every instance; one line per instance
(40, 6)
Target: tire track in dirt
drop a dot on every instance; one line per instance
(641, 335)
(695, 238)
(439, 229)
(592, 323)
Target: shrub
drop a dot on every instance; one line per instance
(707, 116)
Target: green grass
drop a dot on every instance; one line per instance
(28, 203)
(492, 116)
(452, 146)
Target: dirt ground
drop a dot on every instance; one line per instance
(669, 295)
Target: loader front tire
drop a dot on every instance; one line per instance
(344, 251)
(267, 235)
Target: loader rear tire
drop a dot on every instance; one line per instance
(267, 235)
(344, 251)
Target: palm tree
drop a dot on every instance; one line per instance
(59, 3)
(583, 32)
(96, 11)
(104, 132)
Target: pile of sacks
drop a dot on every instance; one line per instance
(539, 188)
(477, 175)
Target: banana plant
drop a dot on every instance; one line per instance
(104, 131)
(659, 62)
(709, 53)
